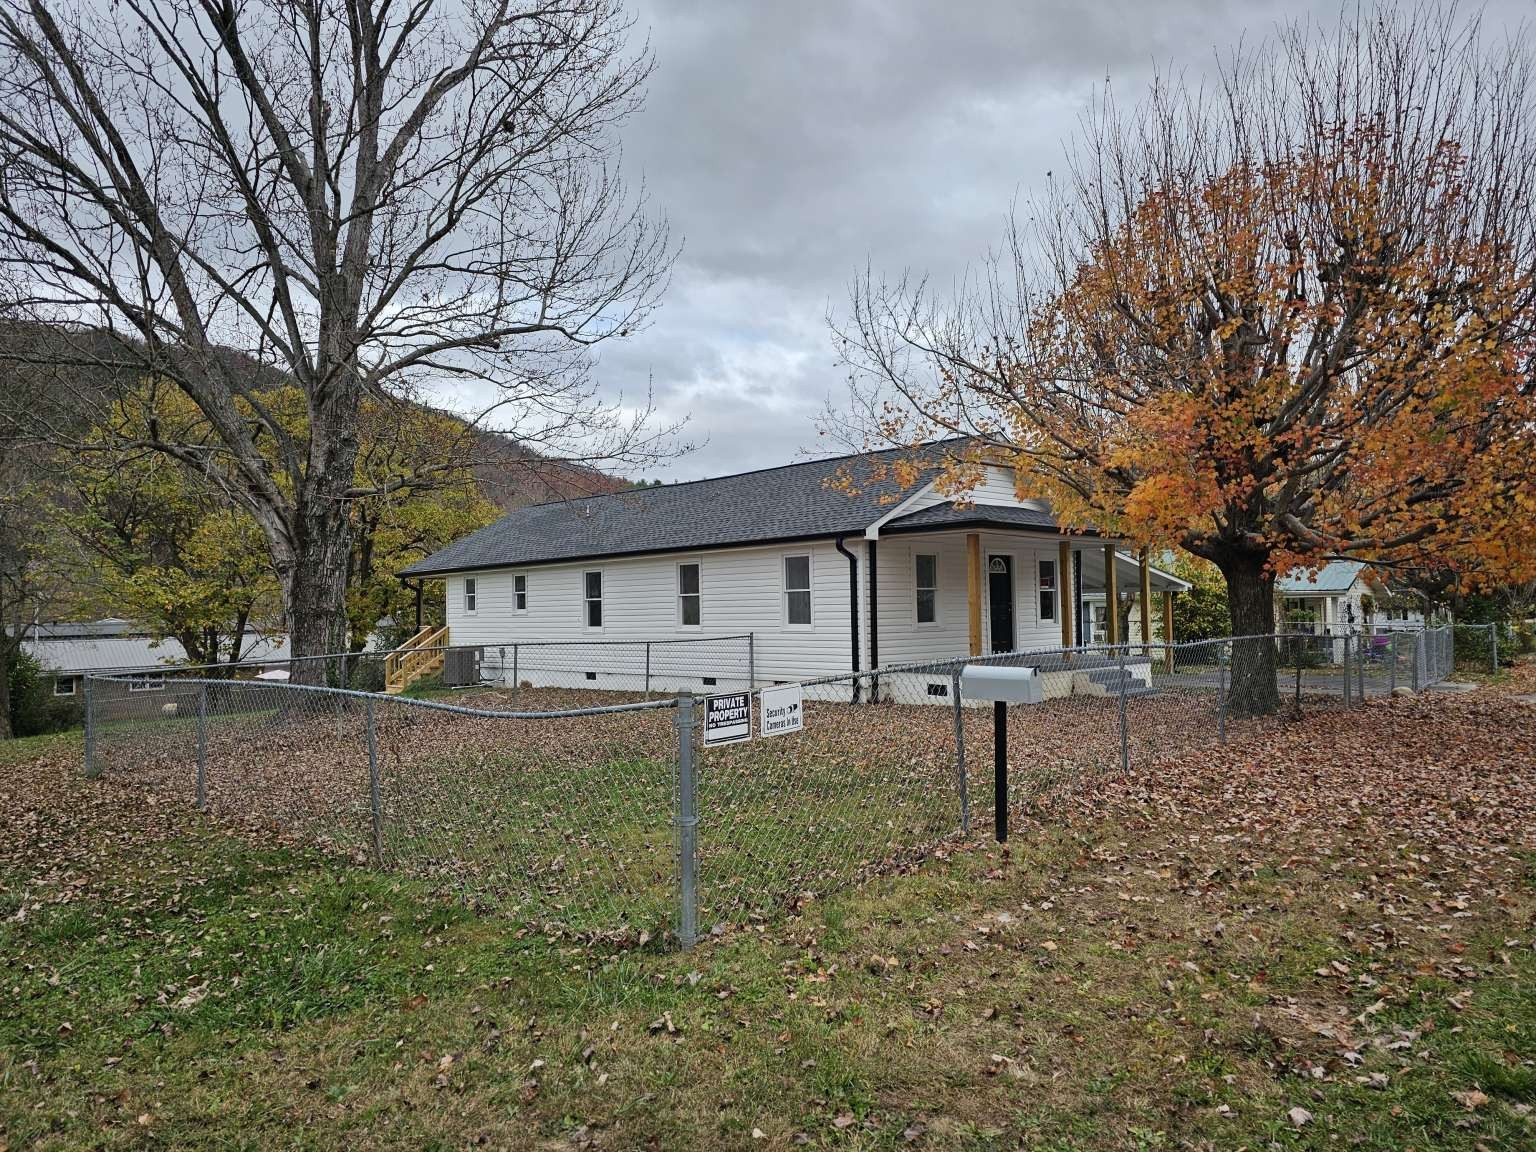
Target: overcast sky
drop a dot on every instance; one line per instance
(791, 142)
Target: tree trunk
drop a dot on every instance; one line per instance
(315, 590)
(5, 692)
(1251, 606)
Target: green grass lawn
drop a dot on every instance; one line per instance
(1215, 959)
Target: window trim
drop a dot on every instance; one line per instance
(697, 594)
(69, 680)
(469, 595)
(520, 610)
(587, 601)
(1040, 591)
(918, 589)
(809, 589)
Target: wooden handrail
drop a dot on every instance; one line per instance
(421, 654)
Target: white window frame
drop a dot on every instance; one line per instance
(918, 589)
(697, 594)
(63, 681)
(587, 601)
(147, 682)
(1041, 590)
(520, 593)
(470, 595)
(809, 590)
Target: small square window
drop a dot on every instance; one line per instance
(520, 592)
(64, 686)
(469, 594)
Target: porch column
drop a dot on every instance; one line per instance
(1111, 596)
(1168, 628)
(1066, 601)
(973, 589)
(1146, 600)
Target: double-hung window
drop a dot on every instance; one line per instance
(1047, 590)
(927, 588)
(470, 595)
(797, 591)
(688, 596)
(520, 592)
(593, 593)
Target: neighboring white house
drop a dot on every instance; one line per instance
(825, 581)
(68, 651)
(1342, 596)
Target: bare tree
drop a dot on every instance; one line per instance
(364, 197)
(1278, 319)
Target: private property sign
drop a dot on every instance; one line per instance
(727, 718)
(783, 710)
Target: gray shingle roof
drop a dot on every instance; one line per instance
(950, 515)
(792, 502)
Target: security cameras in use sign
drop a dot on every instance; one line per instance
(727, 718)
(783, 710)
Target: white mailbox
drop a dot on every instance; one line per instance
(1001, 683)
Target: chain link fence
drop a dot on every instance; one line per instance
(596, 812)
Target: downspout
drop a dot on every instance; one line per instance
(853, 610)
(874, 624)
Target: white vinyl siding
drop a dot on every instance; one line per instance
(743, 587)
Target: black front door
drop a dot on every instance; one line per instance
(1000, 601)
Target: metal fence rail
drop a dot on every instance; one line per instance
(600, 813)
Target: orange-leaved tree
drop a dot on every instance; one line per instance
(1283, 319)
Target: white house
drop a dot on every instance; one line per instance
(1342, 596)
(826, 582)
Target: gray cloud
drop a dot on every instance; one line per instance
(792, 142)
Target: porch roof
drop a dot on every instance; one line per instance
(952, 515)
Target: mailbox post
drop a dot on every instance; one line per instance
(1001, 685)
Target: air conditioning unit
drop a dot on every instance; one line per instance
(461, 667)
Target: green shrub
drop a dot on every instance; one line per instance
(35, 710)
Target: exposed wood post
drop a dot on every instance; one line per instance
(973, 589)
(1064, 597)
(1111, 596)
(1146, 601)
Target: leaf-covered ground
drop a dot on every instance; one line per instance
(1319, 937)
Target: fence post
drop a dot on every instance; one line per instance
(516, 680)
(375, 800)
(1221, 689)
(965, 797)
(1125, 736)
(1296, 648)
(1392, 675)
(1360, 666)
(1346, 669)
(91, 771)
(647, 669)
(687, 822)
(501, 664)
(202, 747)
(1493, 642)
(751, 661)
